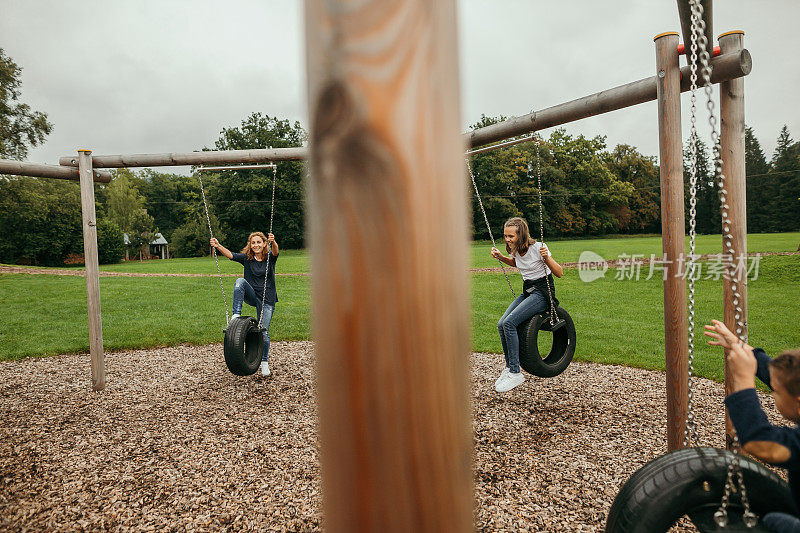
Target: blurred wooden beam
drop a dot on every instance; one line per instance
(390, 309)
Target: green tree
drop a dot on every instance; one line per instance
(709, 216)
(110, 242)
(191, 239)
(642, 213)
(786, 170)
(171, 199)
(41, 220)
(125, 206)
(497, 175)
(586, 192)
(242, 197)
(20, 128)
(580, 193)
(759, 182)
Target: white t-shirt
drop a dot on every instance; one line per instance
(531, 265)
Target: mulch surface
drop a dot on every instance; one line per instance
(177, 443)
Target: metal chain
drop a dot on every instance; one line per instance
(541, 230)
(690, 433)
(734, 474)
(480, 202)
(214, 250)
(269, 248)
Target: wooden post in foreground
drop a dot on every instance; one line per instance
(388, 236)
(92, 269)
(672, 236)
(731, 110)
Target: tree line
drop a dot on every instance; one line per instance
(586, 190)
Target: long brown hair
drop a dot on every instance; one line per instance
(525, 239)
(248, 251)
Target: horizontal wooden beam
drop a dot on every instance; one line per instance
(265, 155)
(21, 168)
(725, 67)
(235, 167)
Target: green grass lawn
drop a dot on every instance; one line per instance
(567, 251)
(137, 312)
(618, 322)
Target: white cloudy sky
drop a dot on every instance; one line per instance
(166, 76)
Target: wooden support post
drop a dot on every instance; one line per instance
(388, 236)
(731, 110)
(92, 270)
(672, 236)
(685, 15)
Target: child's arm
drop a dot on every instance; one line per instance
(727, 339)
(510, 261)
(554, 267)
(224, 251)
(773, 444)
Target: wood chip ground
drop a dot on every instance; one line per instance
(177, 443)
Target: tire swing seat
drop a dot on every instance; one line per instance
(561, 352)
(691, 482)
(243, 345)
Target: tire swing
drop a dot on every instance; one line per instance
(691, 482)
(555, 320)
(718, 490)
(244, 335)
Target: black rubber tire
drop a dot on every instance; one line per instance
(561, 352)
(243, 345)
(691, 482)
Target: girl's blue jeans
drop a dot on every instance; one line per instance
(520, 310)
(781, 523)
(243, 292)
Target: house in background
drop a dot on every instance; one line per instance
(157, 249)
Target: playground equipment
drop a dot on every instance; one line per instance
(383, 92)
(243, 334)
(717, 489)
(555, 319)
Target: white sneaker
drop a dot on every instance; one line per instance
(264, 368)
(235, 315)
(510, 381)
(505, 371)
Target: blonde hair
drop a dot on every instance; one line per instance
(525, 239)
(247, 250)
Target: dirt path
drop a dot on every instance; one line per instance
(8, 269)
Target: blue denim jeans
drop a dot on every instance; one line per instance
(243, 292)
(781, 523)
(520, 310)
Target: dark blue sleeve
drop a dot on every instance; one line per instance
(762, 371)
(751, 424)
(239, 257)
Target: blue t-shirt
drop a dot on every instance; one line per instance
(254, 274)
(751, 424)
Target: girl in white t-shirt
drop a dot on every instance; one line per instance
(536, 265)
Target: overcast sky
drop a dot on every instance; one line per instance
(166, 76)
